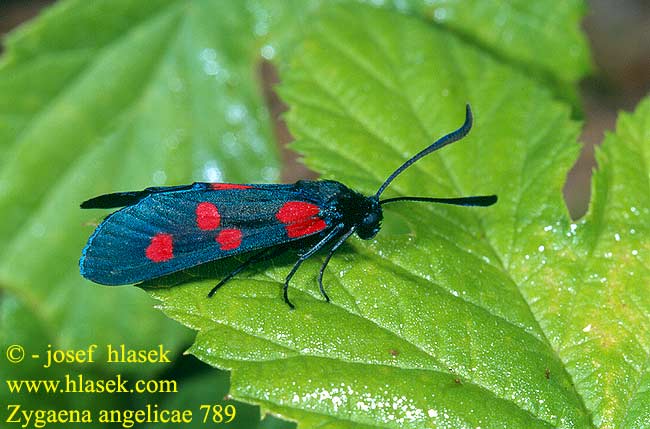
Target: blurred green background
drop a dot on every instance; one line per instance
(620, 44)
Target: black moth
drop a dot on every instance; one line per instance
(163, 230)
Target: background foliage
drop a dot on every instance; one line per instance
(513, 315)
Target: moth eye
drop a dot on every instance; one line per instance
(370, 219)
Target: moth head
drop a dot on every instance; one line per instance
(371, 222)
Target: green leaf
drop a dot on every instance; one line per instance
(472, 316)
(113, 95)
(595, 306)
(20, 326)
(211, 389)
(451, 316)
(544, 35)
(100, 96)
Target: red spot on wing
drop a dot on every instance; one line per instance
(300, 218)
(295, 211)
(221, 186)
(229, 239)
(160, 249)
(207, 216)
(305, 227)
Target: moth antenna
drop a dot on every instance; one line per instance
(479, 200)
(441, 142)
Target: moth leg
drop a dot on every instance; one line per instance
(322, 243)
(264, 255)
(327, 260)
